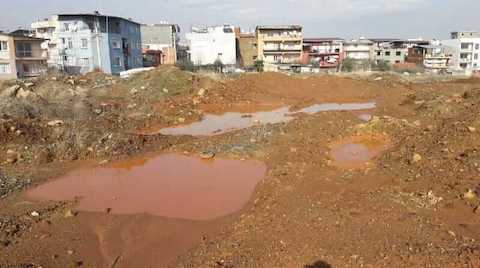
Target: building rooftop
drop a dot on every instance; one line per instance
(279, 27)
(22, 37)
(322, 39)
(95, 14)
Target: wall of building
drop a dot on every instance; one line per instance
(208, 45)
(161, 37)
(130, 52)
(466, 58)
(247, 50)
(282, 46)
(391, 55)
(7, 59)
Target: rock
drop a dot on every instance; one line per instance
(165, 90)
(133, 91)
(55, 123)
(143, 88)
(406, 73)
(207, 155)
(378, 79)
(201, 92)
(131, 106)
(469, 195)
(22, 93)
(12, 157)
(10, 92)
(452, 233)
(70, 252)
(416, 158)
(69, 214)
(29, 84)
(35, 214)
(181, 120)
(471, 129)
(98, 111)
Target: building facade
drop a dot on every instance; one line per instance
(464, 48)
(21, 56)
(161, 39)
(81, 43)
(246, 49)
(322, 52)
(358, 49)
(212, 44)
(390, 54)
(279, 47)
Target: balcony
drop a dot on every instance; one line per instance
(284, 38)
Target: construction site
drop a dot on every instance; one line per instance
(168, 168)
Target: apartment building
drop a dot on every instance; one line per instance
(21, 56)
(279, 47)
(390, 54)
(210, 44)
(322, 52)
(81, 43)
(160, 39)
(358, 49)
(465, 50)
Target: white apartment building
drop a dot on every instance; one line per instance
(210, 44)
(358, 49)
(464, 48)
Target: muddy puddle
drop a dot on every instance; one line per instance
(169, 185)
(146, 211)
(357, 151)
(219, 124)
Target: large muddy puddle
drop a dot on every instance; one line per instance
(357, 151)
(218, 124)
(169, 185)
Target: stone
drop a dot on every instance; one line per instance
(207, 155)
(35, 214)
(29, 84)
(416, 158)
(98, 111)
(181, 120)
(378, 79)
(133, 91)
(165, 90)
(55, 123)
(201, 92)
(22, 93)
(10, 92)
(469, 195)
(69, 214)
(472, 129)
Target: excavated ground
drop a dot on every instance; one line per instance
(393, 186)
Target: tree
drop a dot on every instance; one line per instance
(348, 65)
(259, 65)
(381, 66)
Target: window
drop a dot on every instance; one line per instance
(5, 68)
(3, 46)
(24, 50)
(66, 27)
(84, 43)
(84, 61)
(475, 57)
(117, 61)
(70, 43)
(116, 44)
(465, 45)
(62, 40)
(477, 46)
(379, 53)
(399, 53)
(387, 53)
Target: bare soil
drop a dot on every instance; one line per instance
(413, 203)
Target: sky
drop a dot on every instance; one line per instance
(320, 18)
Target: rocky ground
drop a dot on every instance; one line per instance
(415, 205)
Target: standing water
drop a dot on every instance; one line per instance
(169, 185)
(220, 124)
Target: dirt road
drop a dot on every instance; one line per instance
(388, 180)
